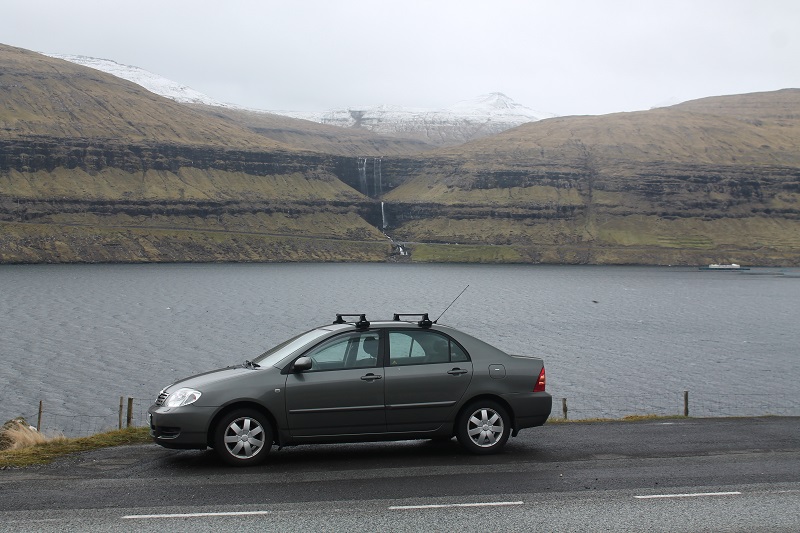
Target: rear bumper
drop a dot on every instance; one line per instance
(531, 409)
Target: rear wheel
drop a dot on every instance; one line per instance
(243, 437)
(483, 427)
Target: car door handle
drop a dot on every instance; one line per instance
(371, 377)
(457, 371)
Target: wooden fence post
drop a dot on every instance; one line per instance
(39, 418)
(686, 403)
(121, 407)
(564, 407)
(130, 411)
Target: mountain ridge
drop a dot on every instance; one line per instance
(463, 121)
(95, 168)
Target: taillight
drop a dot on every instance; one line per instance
(541, 382)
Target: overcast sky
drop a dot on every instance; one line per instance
(566, 57)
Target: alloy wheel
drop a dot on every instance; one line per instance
(485, 427)
(244, 437)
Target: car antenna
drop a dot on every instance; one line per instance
(451, 304)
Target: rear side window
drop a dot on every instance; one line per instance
(421, 347)
(457, 354)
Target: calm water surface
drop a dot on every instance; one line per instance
(80, 336)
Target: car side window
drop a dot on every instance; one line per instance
(457, 354)
(366, 352)
(420, 347)
(351, 350)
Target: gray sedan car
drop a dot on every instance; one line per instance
(407, 378)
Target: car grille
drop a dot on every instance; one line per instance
(161, 398)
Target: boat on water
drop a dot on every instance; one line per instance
(731, 266)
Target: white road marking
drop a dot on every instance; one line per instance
(450, 505)
(195, 515)
(688, 495)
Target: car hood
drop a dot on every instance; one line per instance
(209, 379)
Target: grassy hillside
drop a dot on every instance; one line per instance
(79, 239)
(42, 96)
(706, 181)
(94, 168)
(307, 135)
(186, 184)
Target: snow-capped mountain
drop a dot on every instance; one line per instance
(467, 120)
(499, 105)
(464, 121)
(152, 82)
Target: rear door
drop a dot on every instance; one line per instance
(427, 373)
(342, 393)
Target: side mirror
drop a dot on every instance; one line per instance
(302, 364)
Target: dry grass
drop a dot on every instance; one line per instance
(43, 452)
(17, 434)
(629, 418)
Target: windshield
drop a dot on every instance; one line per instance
(274, 355)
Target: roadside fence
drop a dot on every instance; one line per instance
(133, 411)
(676, 404)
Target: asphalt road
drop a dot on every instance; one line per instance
(732, 474)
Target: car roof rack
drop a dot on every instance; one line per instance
(425, 322)
(362, 323)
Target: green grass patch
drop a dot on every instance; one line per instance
(629, 418)
(46, 452)
(464, 253)
(53, 243)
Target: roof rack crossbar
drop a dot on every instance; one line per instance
(362, 323)
(425, 322)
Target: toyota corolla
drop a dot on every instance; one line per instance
(350, 381)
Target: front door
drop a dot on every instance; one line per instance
(426, 376)
(342, 393)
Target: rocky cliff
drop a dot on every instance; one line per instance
(711, 181)
(93, 168)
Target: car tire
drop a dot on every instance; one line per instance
(483, 427)
(243, 437)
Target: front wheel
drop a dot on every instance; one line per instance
(483, 427)
(243, 437)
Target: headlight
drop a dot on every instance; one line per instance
(182, 397)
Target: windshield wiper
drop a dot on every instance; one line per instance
(249, 364)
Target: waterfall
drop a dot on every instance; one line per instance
(362, 174)
(383, 217)
(376, 178)
(376, 174)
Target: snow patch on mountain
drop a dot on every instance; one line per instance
(152, 82)
(464, 121)
(488, 107)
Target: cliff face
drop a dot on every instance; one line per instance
(81, 200)
(95, 169)
(37, 154)
(693, 184)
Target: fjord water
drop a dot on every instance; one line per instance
(80, 336)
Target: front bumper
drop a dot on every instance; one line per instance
(183, 427)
